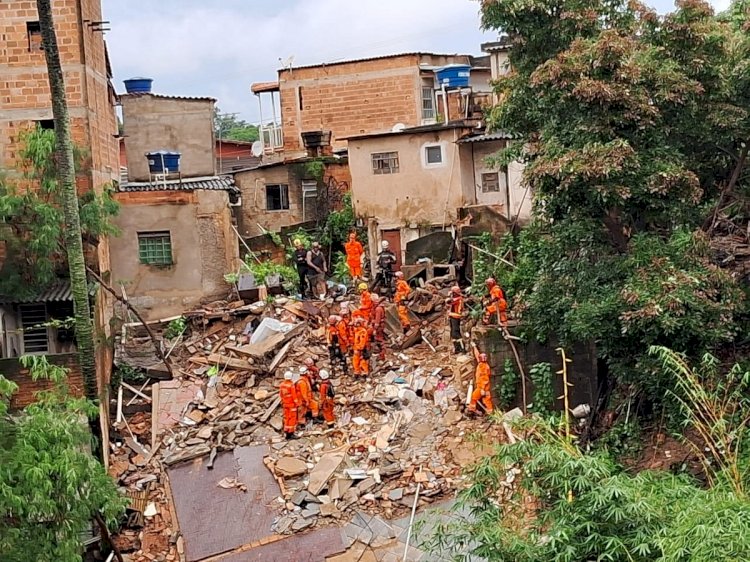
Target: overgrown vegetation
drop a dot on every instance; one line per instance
(51, 487)
(508, 384)
(542, 498)
(176, 328)
(32, 219)
(633, 127)
(544, 393)
(229, 127)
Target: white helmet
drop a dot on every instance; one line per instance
(302, 370)
(323, 374)
(385, 244)
(288, 376)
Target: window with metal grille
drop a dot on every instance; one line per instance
(385, 163)
(428, 103)
(155, 248)
(35, 337)
(490, 182)
(309, 200)
(434, 154)
(34, 32)
(277, 197)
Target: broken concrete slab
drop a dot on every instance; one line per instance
(290, 466)
(325, 468)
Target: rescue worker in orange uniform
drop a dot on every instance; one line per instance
(289, 403)
(481, 392)
(333, 339)
(346, 318)
(365, 303)
(497, 306)
(313, 369)
(402, 293)
(327, 394)
(355, 255)
(361, 347)
(345, 330)
(308, 406)
(378, 326)
(455, 314)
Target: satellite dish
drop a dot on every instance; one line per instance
(398, 127)
(257, 148)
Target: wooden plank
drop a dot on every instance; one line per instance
(271, 409)
(279, 356)
(137, 392)
(226, 361)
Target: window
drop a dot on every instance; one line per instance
(33, 318)
(299, 98)
(385, 163)
(155, 248)
(46, 124)
(434, 154)
(490, 182)
(277, 197)
(34, 32)
(309, 200)
(428, 102)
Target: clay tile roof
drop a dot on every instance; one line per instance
(258, 87)
(216, 183)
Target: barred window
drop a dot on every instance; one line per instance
(385, 163)
(155, 248)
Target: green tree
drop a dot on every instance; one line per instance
(51, 487)
(633, 128)
(229, 127)
(65, 167)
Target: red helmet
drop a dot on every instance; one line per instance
(456, 290)
(483, 358)
(309, 361)
(490, 282)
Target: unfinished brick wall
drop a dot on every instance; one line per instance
(24, 88)
(12, 370)
(354, 97)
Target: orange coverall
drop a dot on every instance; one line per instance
(497, 304)
(481, 389)
(378, 329)
(361, 343)
(354, 253)
(307, 402)
(402, 291)
(365, 306)
(343, 329)
(326, 402)
(289, 403)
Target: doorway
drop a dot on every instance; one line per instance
(394, 240)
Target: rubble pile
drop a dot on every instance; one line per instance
(398, 431)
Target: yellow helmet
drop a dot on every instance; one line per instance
(297, 242)
(362, 286)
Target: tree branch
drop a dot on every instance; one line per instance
(111, 291)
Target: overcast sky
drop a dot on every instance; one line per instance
(219, 47)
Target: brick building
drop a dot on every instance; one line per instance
(24, 88)
(361, 96)
(25, 102)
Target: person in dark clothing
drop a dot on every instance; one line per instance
(300, 260)
(384, 278)
(316, 271)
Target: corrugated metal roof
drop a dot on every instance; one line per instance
(216, 183)
(165, 96)
(488, 137)
(58, 291)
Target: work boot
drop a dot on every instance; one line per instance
(290, 435)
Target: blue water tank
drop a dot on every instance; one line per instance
(163, 161)
(454, 75)
(138, 85)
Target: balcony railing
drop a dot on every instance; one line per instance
(271, 136)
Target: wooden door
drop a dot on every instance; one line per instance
(394, 239)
